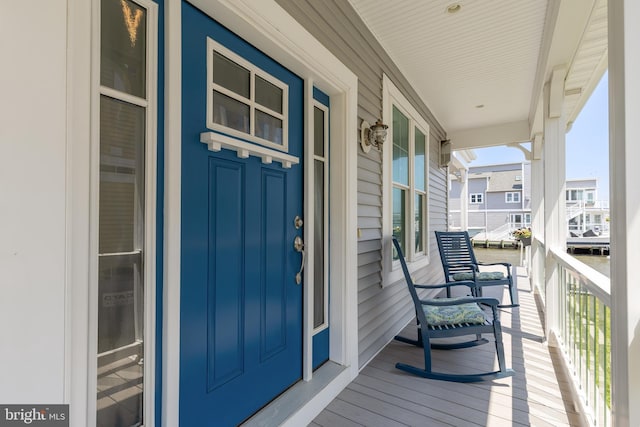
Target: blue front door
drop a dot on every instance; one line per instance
(241, 308)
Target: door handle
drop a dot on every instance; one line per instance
(298, 245)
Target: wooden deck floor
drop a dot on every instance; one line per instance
(538, 394)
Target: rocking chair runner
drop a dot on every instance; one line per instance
(459, 263)
(451, 317)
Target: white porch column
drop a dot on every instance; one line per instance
(537, 212)
(624, 175)
(554, 153)
(464, 200)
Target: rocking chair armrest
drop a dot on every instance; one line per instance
(493, 302)
(468, 283)
(506, 264)
(469, 264)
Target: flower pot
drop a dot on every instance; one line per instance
(526, 241)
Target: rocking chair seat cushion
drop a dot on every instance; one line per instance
(484, 275)
(453, 314)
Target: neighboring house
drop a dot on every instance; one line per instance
(584, 210)
(499, 201)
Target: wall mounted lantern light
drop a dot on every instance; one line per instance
(372, 136)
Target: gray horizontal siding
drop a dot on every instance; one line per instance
(476, 220)
(382, 312)
(454, 204)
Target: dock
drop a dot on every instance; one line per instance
(592, 245)
(500, 244)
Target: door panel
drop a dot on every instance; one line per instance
(225, 310)
(274, 249)
(241, 309)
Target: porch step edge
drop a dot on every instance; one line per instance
(292, 403)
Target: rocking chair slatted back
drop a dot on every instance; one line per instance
(457, 256)
(456, 249)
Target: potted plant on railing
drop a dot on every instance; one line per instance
(523, 235)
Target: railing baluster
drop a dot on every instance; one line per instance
(580, 334)
(583, 327)
(596, 343)
(607, 370)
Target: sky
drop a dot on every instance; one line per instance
(587, 143)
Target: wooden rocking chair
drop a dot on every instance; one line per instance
(452, 317)
(459, 263)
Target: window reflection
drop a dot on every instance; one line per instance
(120, 304)
(419, 222)
(400, 147)
(229, 112)
(399, 206)
(230, 75)
(318, 239)
(268, 127)
(120, 275)
(268, 94)
(419, 160)
(123, 47)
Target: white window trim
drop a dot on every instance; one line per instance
(149, 262)
(254, 71)
(579, 193)
(391, 96)
(476, 202)
(515, 197)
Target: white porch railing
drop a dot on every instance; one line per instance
(583, 330)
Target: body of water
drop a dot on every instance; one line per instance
(598, 262)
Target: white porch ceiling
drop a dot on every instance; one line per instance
(494, 53)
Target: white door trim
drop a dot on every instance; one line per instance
(172, 214)
(77, 218)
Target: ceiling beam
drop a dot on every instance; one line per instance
(564, 29)
(535, 109)
(490, 136)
